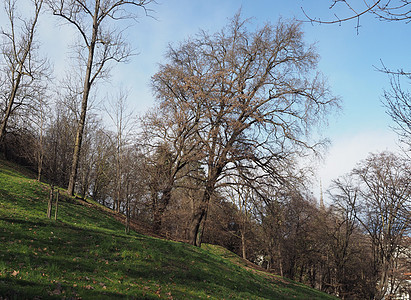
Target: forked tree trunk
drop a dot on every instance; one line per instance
(196, 225)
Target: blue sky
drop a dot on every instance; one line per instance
(348, 60)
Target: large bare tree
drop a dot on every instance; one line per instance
(252, 96)
(100, 44)
(23, 71)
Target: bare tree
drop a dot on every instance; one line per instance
(101, 176)
(343, 234)
(378, 194)
(122, 121)
(241, 196)
(252, 96)
(171, 153)
(88, 154)
(41, 124)
(23, 71)
(397, 99)
(101, 44)
(386, 192)
(58, 146)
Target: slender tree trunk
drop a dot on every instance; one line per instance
(50, 203)
(86, 92)
(118, 188)
(127, 215)
(243, 244)
(40, 155)
(280, 260)
(40, 167)
(85, 186)
(79, 139)
(57, 205)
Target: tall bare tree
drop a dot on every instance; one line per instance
(341, 229)
(253, 96)
(122, 121)
(23, 71)
(41, 124)
(100, 44)
(385, 183)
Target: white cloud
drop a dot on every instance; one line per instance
(346, 151)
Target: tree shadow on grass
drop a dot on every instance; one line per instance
(12, 288)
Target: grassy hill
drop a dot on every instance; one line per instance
(85, 254)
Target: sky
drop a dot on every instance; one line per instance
(349, 59)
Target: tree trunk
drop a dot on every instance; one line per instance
(194, 226)
(199, 215)
(57, 205)
(50, 203)
(118, 195)
(79, 138)
(243, 244)
(280, 260)
(118, 174)
(86, 92)
(160, 208)
(383, 280)
(127, 215)
(39, 168)
(40, 154)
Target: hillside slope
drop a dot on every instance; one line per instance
(85, 254)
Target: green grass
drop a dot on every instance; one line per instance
(85, 254)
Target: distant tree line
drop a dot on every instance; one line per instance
(221, 157)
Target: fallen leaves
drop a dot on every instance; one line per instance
(103, 286)
(58, 290)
